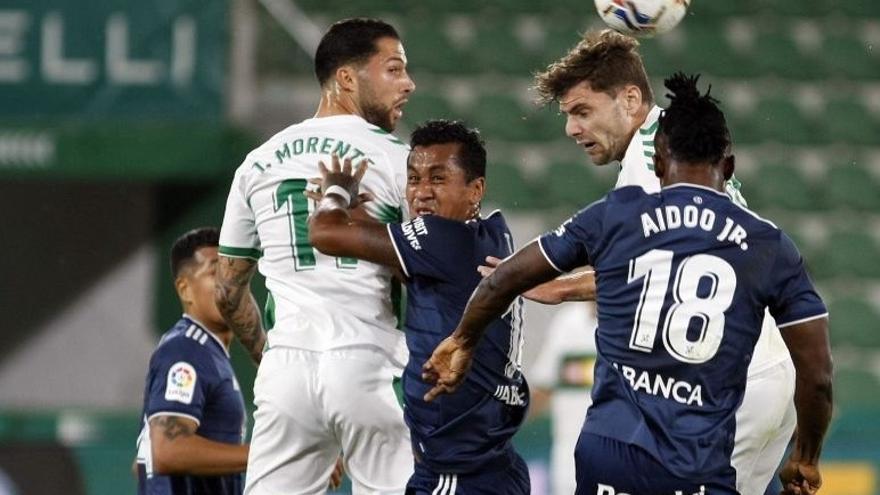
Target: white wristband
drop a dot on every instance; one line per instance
(339, 191)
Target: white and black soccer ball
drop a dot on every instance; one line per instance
(642, 17)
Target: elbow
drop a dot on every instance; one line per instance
(164, 462)
(498, 284)
(818, 379)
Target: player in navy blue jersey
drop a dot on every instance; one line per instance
(461, 444)
(191, 442)
(683, 279)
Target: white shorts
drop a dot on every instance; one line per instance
(313, 405)
(765, 423)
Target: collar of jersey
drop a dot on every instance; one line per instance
(337, 118)
(207, 331)
(652, 117)
(695, 186)
(481, 217)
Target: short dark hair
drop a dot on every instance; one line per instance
(439, 131)
(607, 59)
(184, 248)
(693, 126)
(349, 41)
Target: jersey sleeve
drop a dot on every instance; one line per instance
(238, 235)
(180, 380)
(793, 297)
(387, 184)
(434, 247)
(575, 242)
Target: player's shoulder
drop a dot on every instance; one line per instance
(620, 200)
(370, 138)
(495, 222)
(755, 219)
(185, 340)
(626, 195)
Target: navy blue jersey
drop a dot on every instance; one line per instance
(683, 278)
(459, 432)
(190, 375)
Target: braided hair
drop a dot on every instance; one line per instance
(693, 126)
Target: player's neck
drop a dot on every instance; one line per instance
(333, 104)
(698, 174)
(638, 120)
(219, 330)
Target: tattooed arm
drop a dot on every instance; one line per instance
(232, 293)
(178, 450)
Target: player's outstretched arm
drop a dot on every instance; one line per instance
(177, 449)
(580, 286)
(810, 351)
(449, 363)
(232, 293)
(333, 230)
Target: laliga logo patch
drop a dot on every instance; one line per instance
(181, 383)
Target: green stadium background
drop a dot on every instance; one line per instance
(121, 123)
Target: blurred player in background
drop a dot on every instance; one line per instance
(325, 381)
(560, 380)
(604, 92)
(191, 442)
(462, 442)
(663, 417)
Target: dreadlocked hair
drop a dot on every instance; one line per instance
(694, 126)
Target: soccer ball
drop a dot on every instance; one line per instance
(643, 17)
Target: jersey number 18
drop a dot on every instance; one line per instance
(655, 267)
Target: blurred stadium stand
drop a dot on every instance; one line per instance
(121, 124)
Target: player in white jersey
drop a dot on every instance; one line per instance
(563, 375)
(325, 381)
(603, 90)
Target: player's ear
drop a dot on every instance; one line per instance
(632, 98)
(478, 189)
(181, 285)
(729, 163)
(346, 78)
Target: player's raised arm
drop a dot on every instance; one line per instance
(579, 286)
(810, 351)
(334, 232)
(232, 293)
(449, 363)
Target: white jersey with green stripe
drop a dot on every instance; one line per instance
(320, 302)
(637, 169)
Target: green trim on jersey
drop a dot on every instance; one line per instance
(269, 312)
(391, 137)
(732, 187)
(397, 385)
(650, 129)
(388, 213)
(393, 214)
(236, 252)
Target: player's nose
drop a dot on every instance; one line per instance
(424, 191)
(572, 128)
(408, 84)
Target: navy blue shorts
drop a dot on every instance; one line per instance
(604, 466)
(510, 479)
